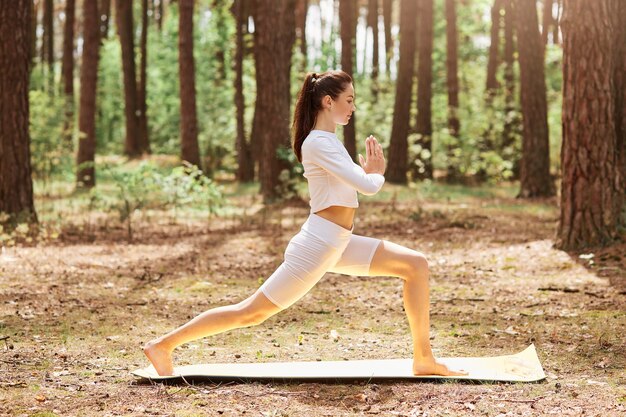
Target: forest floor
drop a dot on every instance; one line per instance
(75, 311)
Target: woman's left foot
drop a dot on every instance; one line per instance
(429, 366)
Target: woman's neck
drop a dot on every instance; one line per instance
(325, 124)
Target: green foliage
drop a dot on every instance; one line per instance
(49, 154)
(147, 188)
(290, 177)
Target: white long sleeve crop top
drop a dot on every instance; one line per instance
(333, 177)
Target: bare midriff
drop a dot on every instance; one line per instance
(343, 216)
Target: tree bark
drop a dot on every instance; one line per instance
(190, 150)
(105, 14)
(424, 126)
(591, 193)
(124, 18)
(48, 41)
(387, 12)
(347, 18)
(535, 165)
(397, 168)
(245, 162)
(372, 22)
(142, 107)
(275, 35)
(302, 7)
(16, 186)
(510, 123)
(67, 70)
(452, 78)
(88, 84)
(547, 21)
(494, 51)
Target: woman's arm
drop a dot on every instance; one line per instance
(324, 153)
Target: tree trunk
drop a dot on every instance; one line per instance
(347, 18)
(494, 51)
(302, 7)
(142, 126)
(48, 41)
(275, 36)
(452, 78)
(16, 185)
(372, 22)
(511, 124)
(555, 27)
(620, 103)
(190, 150)
(33, 32)
(535, 165)
(245, 163)
(88, 84)
(424, 167)
(124, 18)
(591, 193)
(67, 70)
(397, 168)
(105, 14)
(547, 21)
(159, 15)
(387, 12)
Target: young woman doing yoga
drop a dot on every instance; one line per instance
(325, 243)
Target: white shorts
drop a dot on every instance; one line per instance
(321, 246)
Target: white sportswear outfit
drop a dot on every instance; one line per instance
(322, 246)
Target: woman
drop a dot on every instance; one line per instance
(325, 242)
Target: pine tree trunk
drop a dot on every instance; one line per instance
(387, 11)
(535, 165)
(591, 193)
(16, 186)
(67, 70)
(494, 51)
(347, 18)
(424, 89)
(547, 21)
(245, 163)
(142, 127)
(275, 36)
(48, 43)
(159, 15)
(454, 124)
(398, 152)
(88, 84)
(620, 103)
(302, 7)
(511, 124)
(124, 18)
(555, 26)
(372, 22)
(33, 32)
(105, 14)
(190, 150)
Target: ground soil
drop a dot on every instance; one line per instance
(75, 311)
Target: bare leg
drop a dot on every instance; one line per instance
(391, 259)
(249, 312)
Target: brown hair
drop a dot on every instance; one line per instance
(309, 103)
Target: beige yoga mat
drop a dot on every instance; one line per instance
(520, 367)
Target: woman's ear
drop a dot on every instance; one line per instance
(328, 101)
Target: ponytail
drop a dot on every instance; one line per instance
(309, 102)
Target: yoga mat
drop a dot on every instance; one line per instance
(520, 367)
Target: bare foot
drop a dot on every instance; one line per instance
(429, 366)
(160, 358)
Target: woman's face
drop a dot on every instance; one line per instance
(342, 108)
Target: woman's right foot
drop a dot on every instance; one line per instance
(160, 358)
